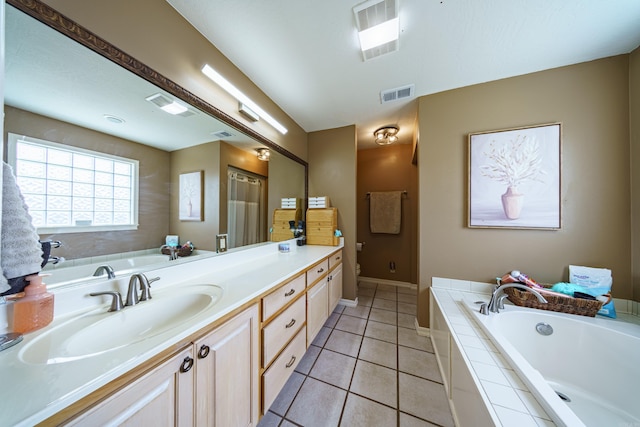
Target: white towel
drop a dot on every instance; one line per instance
(21, 253)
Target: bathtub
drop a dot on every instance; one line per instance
(586, 372)
(69, 273)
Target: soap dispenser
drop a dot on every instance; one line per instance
(35, 309)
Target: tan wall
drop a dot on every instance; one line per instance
(154, 33)
(153, 213)
(332, 173)
(288, 178)
(388, 169)
(634, 122)
(592, 102)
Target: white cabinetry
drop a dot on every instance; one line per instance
(317, 309)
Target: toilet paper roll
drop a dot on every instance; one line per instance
(359, 247)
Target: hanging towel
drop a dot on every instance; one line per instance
(20, 253)
(385, 212)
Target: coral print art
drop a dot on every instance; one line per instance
(514, 178)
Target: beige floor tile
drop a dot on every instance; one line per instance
(410, 338)
(334, 368)
(366, 285)
(317, 404)
(322, 336)
(419, 363)
(408, 298)
(287, 423)
(366, 292)
(344, 342)
(424, 399)
(339, 308)
(383, 316)
(407, 290)
(332, 320)
(360, 311)
(270, 420)
(361, 412)
(382, 331)
(390, 295)
(407, 420)
(406, 320)
(404, 307)
(388, 288)
(355, 325)
(384, 304)
(375, 382)
(380, 352)
(284, 399)
(365, 301)
(308, 360)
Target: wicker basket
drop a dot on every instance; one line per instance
(182, 251)
(583, 307)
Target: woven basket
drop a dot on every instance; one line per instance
(582, 307)
(182, 251)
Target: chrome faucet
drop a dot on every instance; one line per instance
(145, 289)
(497, 297)
(173, 251)
(106, 269)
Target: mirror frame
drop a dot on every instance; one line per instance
(54, 19)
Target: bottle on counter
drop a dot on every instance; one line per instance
(35, 309)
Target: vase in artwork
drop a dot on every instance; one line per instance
(189, 208)
(512, 203)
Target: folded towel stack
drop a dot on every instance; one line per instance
(21, 252)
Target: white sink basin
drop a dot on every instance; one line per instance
(100, 331)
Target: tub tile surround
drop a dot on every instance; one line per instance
(244, 276)
(384, 374)
(509, 401)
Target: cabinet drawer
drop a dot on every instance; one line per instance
(277, 333)
(282, 296)
(279, 372)
(314, 273)
(335, 259)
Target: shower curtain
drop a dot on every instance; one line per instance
(246, 224)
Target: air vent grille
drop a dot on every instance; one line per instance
(397, 94)
(374, 12)
(222, 134)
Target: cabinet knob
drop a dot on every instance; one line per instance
(291, 292)
(203, 352)
(187, 364)
(321, 270)
(291, 362)
(290, 324)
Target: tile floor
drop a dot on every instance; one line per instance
(367, 367)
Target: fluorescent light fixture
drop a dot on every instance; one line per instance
(174, 108)
(167, 104)
(241, 97)
(380, 34)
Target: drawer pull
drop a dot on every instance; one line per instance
(290, 324)
(186, 365)
(291, 362)
(291, 292)
(204, 351)
(338, 259)
(321, 270)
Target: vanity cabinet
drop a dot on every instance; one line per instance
(317, 309)
(335, 280)
(211, 382)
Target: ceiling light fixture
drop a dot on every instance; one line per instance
(167, 105)
(386, 135)
(386, 32)
(263, 154)
(241, 97)
(113, 119)
(378, 27)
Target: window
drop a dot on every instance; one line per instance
(69, 189)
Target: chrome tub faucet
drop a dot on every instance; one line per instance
(105, 269)
(497, 297)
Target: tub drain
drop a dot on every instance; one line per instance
(563, 396)
(544, 329)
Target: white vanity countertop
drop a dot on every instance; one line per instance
(31, 393)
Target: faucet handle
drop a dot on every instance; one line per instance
(116, 302)
(145, 287)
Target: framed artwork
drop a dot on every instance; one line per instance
(514, 178)
(190, 196)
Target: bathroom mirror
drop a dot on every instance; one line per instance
(50, 69)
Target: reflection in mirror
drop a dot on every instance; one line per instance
(60, 91)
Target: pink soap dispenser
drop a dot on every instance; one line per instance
(35, 309)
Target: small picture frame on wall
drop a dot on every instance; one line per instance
(190, 196)
(514, 178)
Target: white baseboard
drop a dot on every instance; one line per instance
(423, 332)
(388, 282)
(349, 302)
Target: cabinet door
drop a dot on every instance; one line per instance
(227, 373)
(161, 397)
(335, 287)
(317, 309)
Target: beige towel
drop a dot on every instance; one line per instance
(385, 212)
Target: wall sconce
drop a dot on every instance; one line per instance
(263, 154)
(386, 135)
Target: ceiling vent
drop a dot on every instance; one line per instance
(221, 134)
(397, 94)
(162, 101)
(372, 13)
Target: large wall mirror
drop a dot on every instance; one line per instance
(64, 85)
